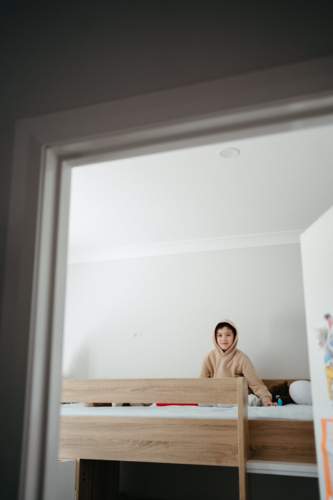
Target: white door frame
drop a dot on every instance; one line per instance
(46, 148)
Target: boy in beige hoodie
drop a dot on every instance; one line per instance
(228, 361)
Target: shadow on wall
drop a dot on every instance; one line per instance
(79, 364)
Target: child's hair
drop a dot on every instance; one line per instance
(222, 325)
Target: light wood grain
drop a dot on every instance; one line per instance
(99, 440)
(151, 390)
(243, 439)
(282, 441)
(269, 439)
(166, 440)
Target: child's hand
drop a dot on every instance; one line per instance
(268, 403)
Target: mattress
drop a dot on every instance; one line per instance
(287, 412)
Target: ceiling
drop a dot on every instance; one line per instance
(278, 183)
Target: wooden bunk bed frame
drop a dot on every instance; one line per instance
(100, 443)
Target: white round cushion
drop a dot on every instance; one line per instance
(300, 391)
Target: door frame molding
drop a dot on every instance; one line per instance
(46, 148)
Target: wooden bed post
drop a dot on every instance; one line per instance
(77, 479)
(243, 439)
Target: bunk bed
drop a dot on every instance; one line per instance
(99, 440)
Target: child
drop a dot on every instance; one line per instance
(227, 361)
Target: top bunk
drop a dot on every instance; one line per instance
(216, 398)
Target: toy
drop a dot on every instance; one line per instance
(280, 394)
(299, 393)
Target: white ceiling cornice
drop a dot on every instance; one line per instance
(189, 246)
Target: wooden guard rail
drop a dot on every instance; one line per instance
(227, 391)
(151, 390)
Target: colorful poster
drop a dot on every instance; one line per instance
(327, 448)
(324, 338)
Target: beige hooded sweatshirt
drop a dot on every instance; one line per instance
(233, 363)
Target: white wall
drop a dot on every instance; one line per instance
(317, 251)
(175, 302)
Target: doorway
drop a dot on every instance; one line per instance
(47, 150)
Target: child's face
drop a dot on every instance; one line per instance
(225, 337)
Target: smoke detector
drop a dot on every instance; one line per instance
(228, 152)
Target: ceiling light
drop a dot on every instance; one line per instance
(229, 152)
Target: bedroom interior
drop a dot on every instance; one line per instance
(71, 73)
(163, 246)
(141, 294)
(47, 148)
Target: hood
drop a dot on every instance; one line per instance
(231, 351)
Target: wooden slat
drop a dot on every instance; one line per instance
(243, 438)
(282, 440)
(151, 391)
(166, 440)
(152, 429)
(269, 440)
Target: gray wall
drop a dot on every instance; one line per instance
(70, 54)
(173, 302)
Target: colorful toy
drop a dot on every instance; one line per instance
(280, 394)
(299, 393)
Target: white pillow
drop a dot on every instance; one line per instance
(300, 391)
